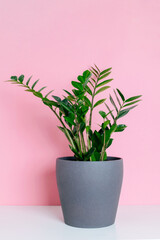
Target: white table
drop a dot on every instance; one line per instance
(46, 223)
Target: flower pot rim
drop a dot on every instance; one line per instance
(72, 159)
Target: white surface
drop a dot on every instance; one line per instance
(46, 223)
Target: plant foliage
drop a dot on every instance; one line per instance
(75, 111)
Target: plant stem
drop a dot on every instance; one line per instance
(83, 143)
(67, 133)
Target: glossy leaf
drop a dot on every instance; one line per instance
(105, 71)
(87, 101)
(14, 78)
(117, 98)
(69, 120)
(87, 74)
(93, 69)
(104, 82)
(56, 98)
(34, 84)
(77, 155)
(133, 98)
(77, 85)
(131, 103)
(120, 94)
(91, 84)
(104, 125)
(41, 89)
(103, 114)
(110, 111)
(113, 103)
(99, 102)
(88, 154)
(88, 90)
(49, 102)
(70, 94)
(48, 93)
(97, 67)
(102, 89)
(109, 142)
(103, 76)
(21, 78)
(122, 113)
(28, 80)
(120, 128)
(81, 79)
(82, 127)
(93, 80)
(38, 94)
(66, 107)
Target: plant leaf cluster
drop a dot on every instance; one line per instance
(75, 111)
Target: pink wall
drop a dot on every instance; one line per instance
(55, 41)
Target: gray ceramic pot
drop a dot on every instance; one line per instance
(89, 191)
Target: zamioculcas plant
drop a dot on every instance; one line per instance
(75, 109)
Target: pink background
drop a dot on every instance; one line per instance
(55, 41)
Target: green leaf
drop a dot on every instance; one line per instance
(93, 80)
(28, 80)
(41, 89)
(97, 67)
(91, 84)
(120, 94)
(87, 128)
(87, 74)
(69, 120)
(96, 156)
(48, 93)
(56, 98)
(117, 98)
(66, 107)
(99, 102)
(105, 71)
(104, 125)
(102, 89)
(87, 101)
(21, 78)
(88, 90)
(109, 142)
(120, 128)
(49, 103)
(88, 154)
(30, 90)
(103, 114)
(81, 79)
(94, 70)
(103, 76)
(113, 128)
(113, 103)
(76, 153)
(131, 103)
(38, 94)
(122, 113)
(78, 93)
(34, 84)
(70, 94)
(14, 78)
(82, 127)
(104, 82)
(77, 85)
(133, 98)
(110, 111)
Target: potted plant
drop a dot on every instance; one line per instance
(89, 182)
